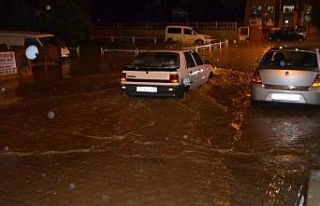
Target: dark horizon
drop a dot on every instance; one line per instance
(175, 10)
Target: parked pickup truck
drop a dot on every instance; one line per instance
(165, 73)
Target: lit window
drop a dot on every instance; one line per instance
(288, 9)
(255, 12)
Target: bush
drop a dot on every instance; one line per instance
(67, 20)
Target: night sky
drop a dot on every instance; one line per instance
(167, 10)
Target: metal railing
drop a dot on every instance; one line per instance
(162, 25)
(133, 39)
(217, 45)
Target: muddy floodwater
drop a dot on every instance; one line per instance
(69, 136)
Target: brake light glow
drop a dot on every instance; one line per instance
(123, 77)
(256, 77)
(174, 78)
(316, 81)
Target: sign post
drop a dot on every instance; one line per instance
(7, 63)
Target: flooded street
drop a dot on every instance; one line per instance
(69, 136)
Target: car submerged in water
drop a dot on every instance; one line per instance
(165, 73)
(287, 75)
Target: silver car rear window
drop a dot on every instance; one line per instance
(300, 60)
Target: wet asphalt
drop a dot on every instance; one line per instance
(69, 136)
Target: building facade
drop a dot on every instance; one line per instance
(261, 16)
(277, 13)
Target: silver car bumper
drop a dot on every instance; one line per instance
(259, 93)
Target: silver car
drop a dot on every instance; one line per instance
(289, 75)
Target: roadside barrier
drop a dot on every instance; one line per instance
(135, 51)
(219, 44)
(132, 38)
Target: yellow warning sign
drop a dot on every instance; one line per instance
(269, 22)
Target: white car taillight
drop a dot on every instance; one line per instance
(174, 78)
(123, 77)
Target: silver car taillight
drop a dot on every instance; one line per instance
(316, 81)
(256, 77)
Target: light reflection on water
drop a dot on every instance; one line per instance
(279, 127)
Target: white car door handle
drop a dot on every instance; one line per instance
(194, 72)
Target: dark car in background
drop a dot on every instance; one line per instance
(285, 35)
(302, 30)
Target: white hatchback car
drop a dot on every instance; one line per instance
(165, 73)
(289, 75)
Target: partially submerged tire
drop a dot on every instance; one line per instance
(179, 93)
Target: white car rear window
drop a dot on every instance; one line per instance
(166, 60)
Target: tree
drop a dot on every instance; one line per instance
(67, 20)
(16, 15)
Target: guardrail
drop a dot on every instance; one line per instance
(216, 45)
(132, 38)
(162, 25)
(135, 51)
